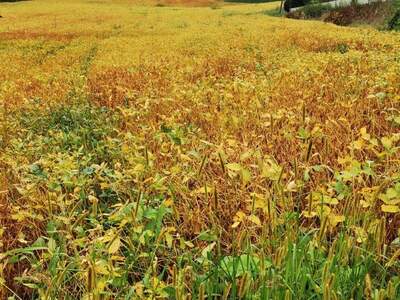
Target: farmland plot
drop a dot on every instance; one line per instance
(196, 152)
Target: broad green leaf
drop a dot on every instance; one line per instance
(207, 236)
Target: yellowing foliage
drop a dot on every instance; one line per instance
(153, 151)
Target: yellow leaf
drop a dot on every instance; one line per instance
(185, 157)
(115, 245)
(246, 176)
(169, 202)
(189, 244)
(168, 239)
(387, 142)
(308, 214)
(363, 131)
(236, 224)
(239, 216)
(93, 199)
(365, 204)
(101, 267)
(390, 208)
(329, 200)
(358, 145)
(204, 190)
(258, 202)
(100, 285)
(104, 185)
(393, 201)
(125, 148)
(208, 249)
(316, 131)
(139, 168)
(334, 220)
(234, 167)
(291, 187)
(246, 155)
(254, 219)
(139, 287)
(271, 170)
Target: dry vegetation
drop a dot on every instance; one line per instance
(196, 153)
(377, 14)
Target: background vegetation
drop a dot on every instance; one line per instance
(380, 14)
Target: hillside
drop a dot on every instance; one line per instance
(196, 152)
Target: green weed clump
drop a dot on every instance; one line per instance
(103, 232)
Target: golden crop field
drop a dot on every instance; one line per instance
(196, 150)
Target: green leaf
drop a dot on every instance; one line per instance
(52, 245)
(237, 266)
(207, 236)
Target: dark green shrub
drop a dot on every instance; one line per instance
(315, 10)
(394, 23)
